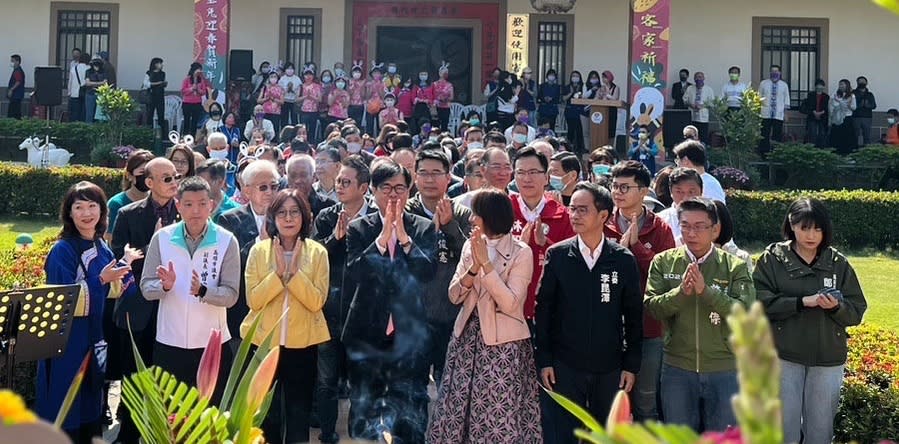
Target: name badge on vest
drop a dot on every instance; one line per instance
(605, 287)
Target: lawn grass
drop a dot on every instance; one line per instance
(38, 228)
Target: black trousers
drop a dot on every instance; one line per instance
(443, 115)
(388, 394)
(86, 433)
(276, 123)
(356, 112)
(592, 391)
(145, 341)
(15, 109)
(310, 120)
(440, 333)
(158, 107)
(703, 128)
(372, 122)
(289, 114)
(575, 135)
(288, 417)
(331, 364)
(183, 363)
(193, 113)
(772, 129)
(421, 111)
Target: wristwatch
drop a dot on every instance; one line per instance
(202, 291)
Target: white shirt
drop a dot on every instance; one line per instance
(491, 248)
(290, 97)
(77, 72)
(532, 134)
(268, 130)
(706, 95)
(701, 259)
(590, 256)
(669, 215)
(711, 188)
(734, 94)
(531, 215)
(780, 99)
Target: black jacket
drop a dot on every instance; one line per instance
(677, 94)
(335, 308)
(450, 239)
(135, 226)
(317, 203)
(865, 103)
(576, 323)
(385, 287)
(241, 222)
(810, 105)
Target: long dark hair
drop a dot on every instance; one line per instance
(135, 160)
(280, 199)
(86, 191)
(194, 67)
(184, 149)
(153, 63)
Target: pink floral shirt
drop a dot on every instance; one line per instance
(423, 95)
(341, 100)
(389, 115)
(326, 92)
(312, 95)
(356, 89)
(273, 96)
(443, 93)
(375, 89)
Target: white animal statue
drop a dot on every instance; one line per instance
(36, 152)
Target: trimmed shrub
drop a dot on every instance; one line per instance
(24, 189)
(860, 218)
(77, 137)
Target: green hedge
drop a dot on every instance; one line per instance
(77, 137)
(40, 190)
(861, 218)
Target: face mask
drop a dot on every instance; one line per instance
(391, 69)
(407, 85)
(643, 136)
(683, 77)
(819, 89)
(376, 76)
(290, 71)
(555, 182)
(841, 88)
(862, 85)
(601, 170)
(775, 76)
(273, 80)
(891, 120)
(576, 79)
(12, 65)
(523, 119)
(357, 75)
(475, 145)
(215, 115)
(474, 122)
(353, 147)
(734, 77)
(140, 182)
(219, 154)
(326, 79)
(527, 75)
(520, 138)
(341, 84)
(423, 77)
(551, 79)
(389, 103)
(594, 81)
(432, 138)
(339, 72)
(266, 70)
(700, 83)
(260, 116)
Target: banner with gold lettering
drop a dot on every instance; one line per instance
(649, 66)
(516, 43)
(212, 27)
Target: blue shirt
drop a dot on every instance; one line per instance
(549, 96)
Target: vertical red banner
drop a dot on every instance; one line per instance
(212, 27)
(649, 65)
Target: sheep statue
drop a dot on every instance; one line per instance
(39, 157)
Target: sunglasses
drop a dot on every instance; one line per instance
(169, 179)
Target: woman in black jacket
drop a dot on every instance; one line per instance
(154, 81)
(811, 295)
(507, 98)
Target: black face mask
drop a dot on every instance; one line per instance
(215, 114)
(140, 182)
(299, 146)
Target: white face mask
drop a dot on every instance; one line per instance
(475, 145)
(218, 154)
(289, 72)
(391, 69)
(353, 147)
(520, 138)
(326, 79)
(357, 75)
(891, 120)
(389, 102)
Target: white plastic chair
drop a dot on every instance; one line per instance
(173, 112)
(561, 124)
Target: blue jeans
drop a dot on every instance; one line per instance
(90, 107)
(76, 109)
(810, 397)
(683, 390)
(644, 396)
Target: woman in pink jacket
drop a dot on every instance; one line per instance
(271, 97)
(194, 90)
(489, 391)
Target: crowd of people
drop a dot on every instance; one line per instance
(489, 266)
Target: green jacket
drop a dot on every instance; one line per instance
(696, 337)
(808, 336)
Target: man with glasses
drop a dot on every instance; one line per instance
(589, 316)
(691, 154)
(327, 164)
(472, 179)
(540, 221)
(691, 289)
(432, 179)
(301, 177)
(134, 227)
(247, 223)
(392, 254)
(496, 171)
(636, 228)
(351, 185)
(193, 269)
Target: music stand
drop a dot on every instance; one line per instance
(35, 324)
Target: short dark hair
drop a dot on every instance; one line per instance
(280, 199)
(691, 150)
(437, 155)
(602, 197)
(216, 168)
(861, 78)
(387, 170)
(684, 70)
(495, 210)
(17, 58)
(893, 112)
(287, 133)
(336, 143)
(603, 154)
(333, 154)
(402, 140)
(699, 204)
(734, 68)
(192, 183)
(775, 66)
(635, 169)
(680, 175)
(569, 162)
(820, 82)
(429, 145)
(530, 151)
(86, 191)
(726, 221)
(356, 162)
(402, 126)
(350, 130)
(494, 137)
(809, 212)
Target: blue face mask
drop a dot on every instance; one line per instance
(601, 170)
(556, 183)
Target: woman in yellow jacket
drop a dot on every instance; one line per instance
(289, 272)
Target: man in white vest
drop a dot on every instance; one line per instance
(193, 269)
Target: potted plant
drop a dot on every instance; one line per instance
(116, 105)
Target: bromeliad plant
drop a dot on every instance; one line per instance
(757, 405)
(167, 411)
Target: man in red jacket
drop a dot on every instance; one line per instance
(540, 221)
(645, 235)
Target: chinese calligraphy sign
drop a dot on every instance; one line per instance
(211, 40)
(517, 26)
(648, 67)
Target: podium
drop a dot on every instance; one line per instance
(600, 111)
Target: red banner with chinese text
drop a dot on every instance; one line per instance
(212, 27)
(650, 38)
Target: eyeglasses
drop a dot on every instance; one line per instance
(343, 183)
(580, 210)
(475, 175)
(386, 188)
(266, 187)
(283, 214)
(499, 167)
(624, 188)
(169, 179)
(431, 175)
(698, 228)
(529, 173)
